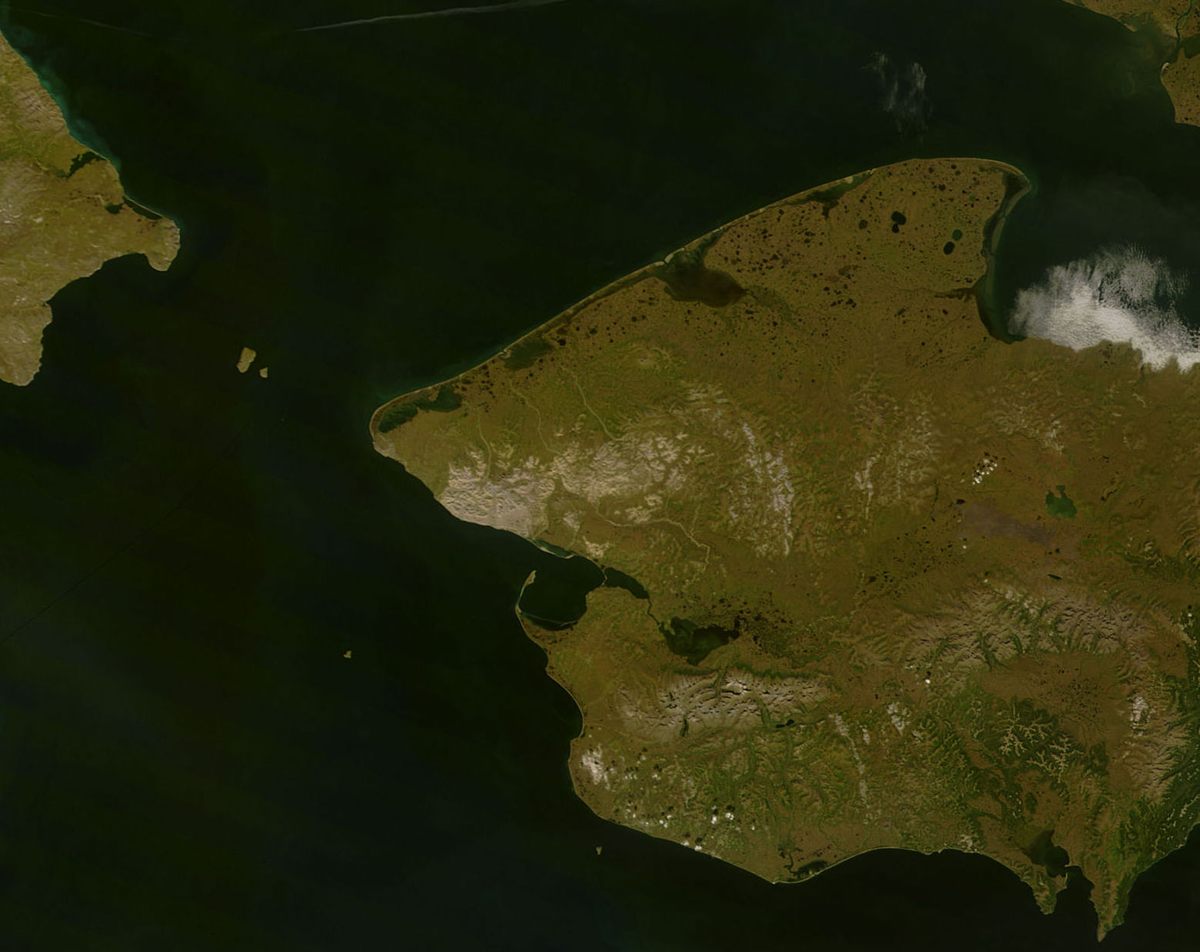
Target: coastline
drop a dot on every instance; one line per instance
(82, 131)
(985, 287)
(1013, 185)
(818, 192)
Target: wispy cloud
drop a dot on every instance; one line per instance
(433, 14)
(902, 90)
(99, 24)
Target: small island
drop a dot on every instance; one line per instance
(885, 580)
(63, 214)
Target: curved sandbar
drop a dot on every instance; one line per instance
(907, 585)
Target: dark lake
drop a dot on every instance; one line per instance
(187, 761)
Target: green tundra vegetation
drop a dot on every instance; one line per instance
(62, 215)
(891, 581)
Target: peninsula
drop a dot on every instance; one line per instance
(884, 580)
(63, 214)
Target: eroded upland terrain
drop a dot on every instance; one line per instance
(904, 585)
(62, 215)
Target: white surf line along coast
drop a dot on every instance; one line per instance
(431, 14)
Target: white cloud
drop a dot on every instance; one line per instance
(1120, 295)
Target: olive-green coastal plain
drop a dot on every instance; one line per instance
(904, 585)
(62, 215)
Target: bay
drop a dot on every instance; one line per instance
(187, 758)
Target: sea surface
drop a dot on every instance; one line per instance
(187, 759)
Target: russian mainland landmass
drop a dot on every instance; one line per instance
(877, 579)
(63, 214)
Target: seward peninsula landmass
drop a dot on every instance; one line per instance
(872, 576)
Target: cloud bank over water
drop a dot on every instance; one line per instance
(1120, 295)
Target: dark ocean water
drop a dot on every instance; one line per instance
(186, 759)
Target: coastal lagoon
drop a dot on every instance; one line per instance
(189, 758)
